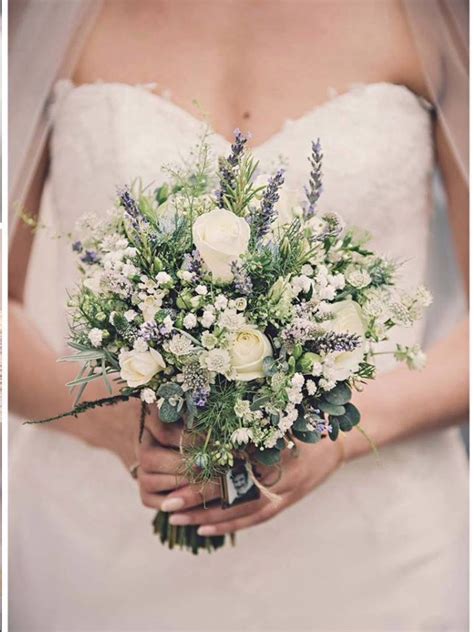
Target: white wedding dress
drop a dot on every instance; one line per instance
(380, 546)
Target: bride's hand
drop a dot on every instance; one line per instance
(300, 473)
(160, 470)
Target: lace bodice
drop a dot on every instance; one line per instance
(377, 162)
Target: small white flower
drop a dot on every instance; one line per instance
(337, 281)
(207, 319)
(357, 277)
(231, 320)
(241, 436)
(307, 269)
(242, 409)
(180, 345)
(240, 303)
(218, 361)
(423, 296)
(297, 380)
(301, 283)
(186, 275)
(162, 278)
(190, 321)
(129, 270)
(310, 387)
(414, 357)
(221, 302)
(148, 396)
(140, 345)
(96, 336)
(327, 385)
(317, 369)
(209, 341)
(150, 306)
(168, 324)
(327, 293)
(201, 290)
(130, 315)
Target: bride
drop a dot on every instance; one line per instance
(358, 544)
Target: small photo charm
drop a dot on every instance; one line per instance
(237, 486)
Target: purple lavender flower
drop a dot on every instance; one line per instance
(200, 397)
(227, 166)
(262, 219)
(242, 280)
(192, 262)
(334, 342)
(77, 246)
(149, 331)
(313, 192)
(128, 203)
(90, 257)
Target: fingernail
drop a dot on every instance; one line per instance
(172, 504)
(179, 519)
(206, 530)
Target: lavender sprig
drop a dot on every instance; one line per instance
(242, 280)
(315, 188)
(227, 166)
(334, 342)
(262, 219)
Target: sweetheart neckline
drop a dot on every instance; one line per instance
(307, 115)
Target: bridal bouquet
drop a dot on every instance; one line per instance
(237, 308)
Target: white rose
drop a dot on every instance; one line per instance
(347, 319)
(247, 353)
(138, 367)
(220, 237)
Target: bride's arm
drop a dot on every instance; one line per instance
(36, 380)
(397, 405)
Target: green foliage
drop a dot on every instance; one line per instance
(269, 456)
(339, 395)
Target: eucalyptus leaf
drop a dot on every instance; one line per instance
(169, 390)
(353, 414)
(270, 456)
(308, 436)
(339, 395)
(331, 409)
(343, 421)
(168, 413)
(334, 430)
(300, 424)
(269, 366)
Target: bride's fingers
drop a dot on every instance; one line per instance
(159, 483)
(157, 460)
(231, 526)
(165, 434)
(213, 515)
(153, 501)
(191, 496)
